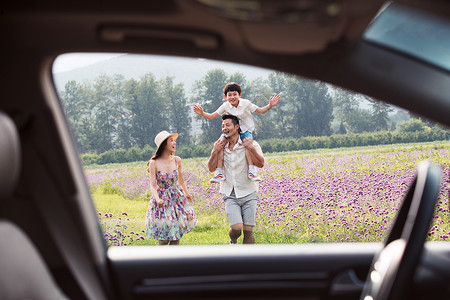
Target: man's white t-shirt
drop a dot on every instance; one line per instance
(236, 171)
(243, 111)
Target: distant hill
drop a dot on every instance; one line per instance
(184, 70)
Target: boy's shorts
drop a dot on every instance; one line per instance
(241, 210)
(246, 134)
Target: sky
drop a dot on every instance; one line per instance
(70, 61)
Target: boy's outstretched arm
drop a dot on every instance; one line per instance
(272, 102)
(199, 111)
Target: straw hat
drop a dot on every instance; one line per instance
(162, 136)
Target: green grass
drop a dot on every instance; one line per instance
(210, 230)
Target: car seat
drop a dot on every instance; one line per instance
(24, 274)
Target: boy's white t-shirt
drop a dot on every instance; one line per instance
(243, 111)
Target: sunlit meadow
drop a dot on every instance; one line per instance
(340, 195)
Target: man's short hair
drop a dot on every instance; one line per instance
(234, 119)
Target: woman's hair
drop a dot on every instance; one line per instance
(158, 153)
(231, 87)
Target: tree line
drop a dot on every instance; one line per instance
(412, 131)
(111, 113)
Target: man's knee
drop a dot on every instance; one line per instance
(248, 228)
(248, 232)
(238, 226)
(248, 235)
(234, 234)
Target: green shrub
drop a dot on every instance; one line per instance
(134, 154)
(89, 159)
(266, 146)
(107, 157)
(405, 135)
(120, 155)
(147, 152)
(412, 125)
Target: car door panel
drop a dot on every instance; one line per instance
(257, 271)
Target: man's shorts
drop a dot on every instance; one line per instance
(241, 210)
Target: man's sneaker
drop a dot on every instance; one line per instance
(218, 176)
(253, 176)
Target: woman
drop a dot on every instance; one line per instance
(170, 214)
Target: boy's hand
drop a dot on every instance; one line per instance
(219, 144)
(274, 100)
(248, 143)
(198, 109)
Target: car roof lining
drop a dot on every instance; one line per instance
(268, 25)
(163, 34)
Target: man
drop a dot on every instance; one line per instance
(243, 109)
(239, 192)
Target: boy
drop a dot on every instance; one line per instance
(241, 108)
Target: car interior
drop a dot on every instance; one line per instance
(52, 246)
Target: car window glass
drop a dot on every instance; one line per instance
(414, 33)
(336, 163)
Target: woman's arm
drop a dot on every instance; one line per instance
(153, 185)
(181, 179)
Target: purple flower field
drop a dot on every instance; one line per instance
(348, 195)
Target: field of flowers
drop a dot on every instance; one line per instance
(339, 195)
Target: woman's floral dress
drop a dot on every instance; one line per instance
(176, 217)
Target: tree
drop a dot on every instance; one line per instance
(258, 92)
(240, 79)
(348, 109)
(311, 112)
(148, 110)
(277, 82)
(108, 107)
(398, 117)
(132, 106)
(177, 112)
(344, 102)
(342, 129)
(426, 121)
(279, 115)
(210, 88)
(359, 120)
(412, 125)
(76, 99)
(380, 115)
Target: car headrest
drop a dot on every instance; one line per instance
(9, 155)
